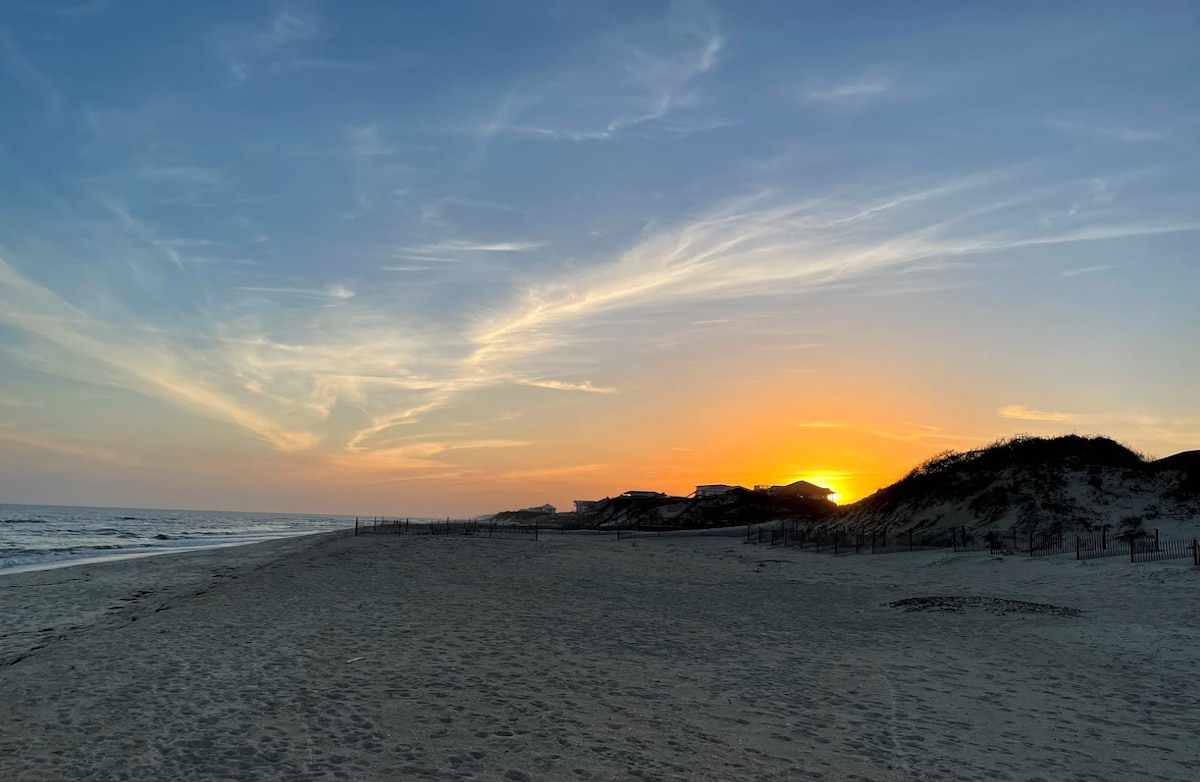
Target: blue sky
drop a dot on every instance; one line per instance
(450, 257)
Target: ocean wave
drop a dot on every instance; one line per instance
(52, 535)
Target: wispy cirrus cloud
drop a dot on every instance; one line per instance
(763, 244)
(133, 360)
(436, 250)
(336, 292)
(640, 74)
(1079, 272)
(144, 232)
(562, 385)
(420, 456)
(243, 50)
(288, 374)
(1023, 413)
(863, 87)
(570, 471)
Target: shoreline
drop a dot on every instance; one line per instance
(131, 554)
(331, 657)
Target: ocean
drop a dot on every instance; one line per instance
(34, 536)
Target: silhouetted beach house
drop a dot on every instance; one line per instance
(547, 508)
(715, 489)
(799, 490)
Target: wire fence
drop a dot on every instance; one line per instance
(1141, 547)
(1137, 547)
(884, 541)
(469, 527)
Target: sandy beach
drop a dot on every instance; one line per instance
(579, 658)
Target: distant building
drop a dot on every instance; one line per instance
(644, 495)
(715, 489)
(799, 490)
(547, 508)
(586, 506)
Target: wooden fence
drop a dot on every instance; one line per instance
(1154, 550)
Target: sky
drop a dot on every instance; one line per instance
(417, 258)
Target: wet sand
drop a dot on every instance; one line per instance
(578, 658)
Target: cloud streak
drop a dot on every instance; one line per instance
(760, 245)
(136, 364)
(636, 76)
(561, 385)
(861, 88)
(245, 50)
(431, 251)
(1023, 413)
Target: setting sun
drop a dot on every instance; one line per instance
(824, 482)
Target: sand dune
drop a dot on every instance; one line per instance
(577, 658)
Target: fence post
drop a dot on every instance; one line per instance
(356, 526)
(535, 532)
(1031, 543)
(1132, 551)
(1078, 553)
(747, 532)
(1104, 538)
(1196, 552)
(1156, 548)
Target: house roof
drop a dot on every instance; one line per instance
(808, 488)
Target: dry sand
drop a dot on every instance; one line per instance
(576, 658)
